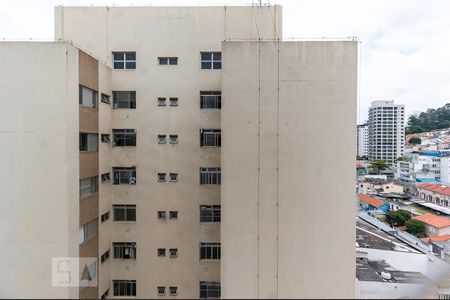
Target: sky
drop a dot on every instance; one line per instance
(404, 44)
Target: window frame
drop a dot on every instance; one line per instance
(161, 138)
(124, 137)
(129, 286)
(173, 101)
(214, 62)
(162, 177)
(210, 138)
(127, 212)
(173, 177)
(129, 103)
(120, 250)
(90, 189)
(81, 98)
(206, 96)
(210, 176)
(173, 215)
(210, 251)
(121, 179)
(169, 60)
(124, 60)
(162, 101)
(207, 287)
(173, 139)
(106, 97)
(210, 213)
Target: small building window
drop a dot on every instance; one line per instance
(105, 256)
(173, 101)
(124, 99)
(210, 213)
(210, 251)
(105, 98)
(105, 138)
(211, 60)
(161, 215)
(173, 214)
(210, 99)
(88, 231)
(161, 252)
(161, 177)
(106, 177)
(173, 138)
(209, 289)
(173, 177)
(173, 291)
(210, 176)
(124, 175)
(88, 187)
(161, 290)
(161, 138)
(210, 138)
(168, 60)
(87, 97)
(88, 142)
(124, 250)
(124, 212)
(161, 101)
(123, 288)
(124, 60)
(124, 137)
(173, 252)
(104, 217)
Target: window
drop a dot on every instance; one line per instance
(168, 60)
(124, 99)
(173, 291)
(173, 101)
(211, 99)
(124, 137)
(161, 215)
(106, 177)
(161, 290)
(88, 187)
(124, 250)
(124, 287)
(122, 175)
(210, 213)
(161, 101)
(88, 231)
(211, 60)
(104, 217)
(173, 252)
(173, 177)
(105, 256)
(105, 138)
(173, 214)
(161, 177)
(209, 175)
(209, 289)
(161, 138)
(105, 98)
(210, 138)
(124, 212)
(87, 97)
(173, 138)
(124, 60)
(88, 142)
(161, 252)
(210, 251)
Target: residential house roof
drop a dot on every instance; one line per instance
(437, 238)
(371, 201)
(437, 188)
(433, 220)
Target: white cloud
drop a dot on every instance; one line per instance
(404, 51)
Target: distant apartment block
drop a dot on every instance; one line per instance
(386, 131)
(362, 140)
(174, 145)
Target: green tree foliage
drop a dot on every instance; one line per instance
(398, 218)
(378, 165)
(415, 141)
(429, 120)
(416, 227)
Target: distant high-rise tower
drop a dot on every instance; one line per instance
(362, 140)
(386, 131)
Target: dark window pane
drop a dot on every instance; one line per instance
(217, 56)
(131, 55)
(206, 56)
(118, 65)
(206, 65)
(131, 214)
(118, 55)
(131, 65)
(217, 65)
(173, 61)
(163, 61)
(119, 214)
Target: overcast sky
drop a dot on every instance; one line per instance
(405, 44)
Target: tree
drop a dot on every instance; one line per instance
(397, 218)
(415, 140)
(416, 228)
(378, 165)
(429, 120)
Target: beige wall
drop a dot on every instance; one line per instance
(39, 159)
(288, 214)
(151, 32)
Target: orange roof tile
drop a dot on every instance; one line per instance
(371, 201)
(437, 238)
(433, 220)
(437, 188)
(358, 166)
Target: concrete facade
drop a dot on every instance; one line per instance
(269, 180)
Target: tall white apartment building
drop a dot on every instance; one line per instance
(173, 144)
(386, 131)
(362, 140)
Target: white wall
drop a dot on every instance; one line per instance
(39, 166)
